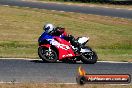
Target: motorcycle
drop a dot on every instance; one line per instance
(54, 48)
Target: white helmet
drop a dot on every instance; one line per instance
(48, 28)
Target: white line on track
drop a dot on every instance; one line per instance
(113, 62)
(40, 59)
(18, 59)
(60, 83)
(5, 5)
(2, 82)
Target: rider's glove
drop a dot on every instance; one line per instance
(71, 38)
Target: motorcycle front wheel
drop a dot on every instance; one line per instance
(46, 55)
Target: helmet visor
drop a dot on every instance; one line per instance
(47, 28)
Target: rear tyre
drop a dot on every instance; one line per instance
(89, 58)
(46, 55)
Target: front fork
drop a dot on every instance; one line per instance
(49, 49)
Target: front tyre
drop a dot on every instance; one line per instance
(46, 55)
(89, 58)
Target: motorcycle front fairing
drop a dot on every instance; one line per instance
(43, 40)
(64, 48)
(44, 36)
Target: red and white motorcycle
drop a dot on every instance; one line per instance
(55, 48)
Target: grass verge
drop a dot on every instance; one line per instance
(21, 27)
(35, 85)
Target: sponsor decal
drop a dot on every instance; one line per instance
(57, 44)
(83, 78)
(67, 55)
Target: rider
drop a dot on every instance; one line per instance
(57, 31)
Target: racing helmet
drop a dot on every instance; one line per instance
(49, 28)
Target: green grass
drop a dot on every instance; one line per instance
(18, 49)
(20, 28)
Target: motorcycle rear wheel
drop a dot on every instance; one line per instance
(46, 55)
(89, 59)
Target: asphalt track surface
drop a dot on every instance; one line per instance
(38, 71)
(71, 8)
